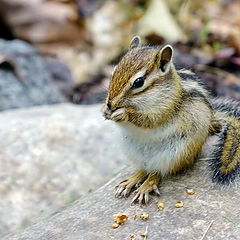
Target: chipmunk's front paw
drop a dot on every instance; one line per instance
(106, 111)
(125, 187)
(119, 115)
(150, 185)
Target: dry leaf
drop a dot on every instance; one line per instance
(155, 20)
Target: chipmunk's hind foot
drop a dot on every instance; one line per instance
(127, 186)
(150, 185)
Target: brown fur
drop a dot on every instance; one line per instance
(171, 107)
(155, 102)
(179, 104)
(132, 62)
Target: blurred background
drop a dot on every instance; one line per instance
(63, 51)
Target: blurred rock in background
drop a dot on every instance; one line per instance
(24, 81)
(51, 156)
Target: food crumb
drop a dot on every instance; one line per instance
(190, 191)
(144, 216)
(143, 234)
(132, 236)
(115, 225)
(120, 218)
(160, 205)
(179, 204)
(134, 217)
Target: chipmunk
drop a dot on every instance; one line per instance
(166, 116)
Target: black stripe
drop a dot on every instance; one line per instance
(191, 76)
(215, 159)
(195, 94)
(185, 76)
(230, 108)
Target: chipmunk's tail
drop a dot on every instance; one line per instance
(225, 159)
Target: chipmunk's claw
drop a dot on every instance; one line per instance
(125, 187)
(149, 186)
(141, 198)
(156, 190)
(123, 190)
(144, 197)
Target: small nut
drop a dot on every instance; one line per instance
(115, 225)
(179, 204)
(132, 236)
(120, 218)
(143, 234)
(160, 205)
(144, 216)
(190, 191)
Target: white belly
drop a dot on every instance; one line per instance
(152, 150)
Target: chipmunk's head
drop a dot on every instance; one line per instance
(142, 78)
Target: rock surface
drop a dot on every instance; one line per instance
(24, 79)
(51, 156)
(211, 211)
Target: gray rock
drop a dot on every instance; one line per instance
(212, 212)
(24, 79)
(51, 156)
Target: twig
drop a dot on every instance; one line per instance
(204, 235)
(146, 231)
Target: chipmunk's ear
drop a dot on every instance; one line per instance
(135, 42)
(164, 58)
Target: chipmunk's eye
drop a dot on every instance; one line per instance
(138, 83)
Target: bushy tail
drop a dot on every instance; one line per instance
(225, 159)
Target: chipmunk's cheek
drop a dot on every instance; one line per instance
(106, 111)
(119, 115)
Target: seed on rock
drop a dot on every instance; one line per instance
(143, 234)
(120, 218)
(179, 204)
(115, 225)
(144, 216)
(190, 191)
(160, 205)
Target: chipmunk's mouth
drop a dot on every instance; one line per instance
(107, 111)
(117, 115)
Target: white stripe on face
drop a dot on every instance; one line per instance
(116, 99)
